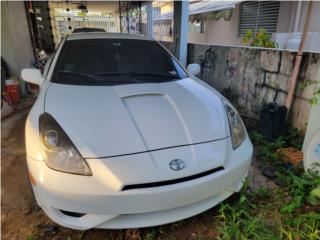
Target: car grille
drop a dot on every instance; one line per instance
(173, 181)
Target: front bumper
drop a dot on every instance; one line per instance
(107, 207)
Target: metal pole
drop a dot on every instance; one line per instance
(180, 30)
(149, 20)
(30, 26)
(140, 19)
(128, 27)
(295, 73)
(120, 16)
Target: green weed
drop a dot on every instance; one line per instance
(263, 193)
(303, 226)
(242, 221)
(32, 237)
(288, 212)
(266, 150)
(151, 235)
(302, 188)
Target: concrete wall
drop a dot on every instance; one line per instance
(16, 46)
(252, 77)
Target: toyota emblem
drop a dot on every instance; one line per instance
(177, 164)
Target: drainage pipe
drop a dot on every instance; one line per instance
(295, 73)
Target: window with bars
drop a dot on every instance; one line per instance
(258, 14)
(197, 27)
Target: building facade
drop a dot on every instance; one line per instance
(281, 19)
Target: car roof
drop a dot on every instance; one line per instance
(102, 35)
(88, 29)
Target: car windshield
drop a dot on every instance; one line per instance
(115, 61)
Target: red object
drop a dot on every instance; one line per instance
(12, 91)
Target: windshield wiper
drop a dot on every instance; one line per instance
(137, 78)
(140, 74)
(94, 80)
(80, 75)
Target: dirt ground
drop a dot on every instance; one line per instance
(23, 219)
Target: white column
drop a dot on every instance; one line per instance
(149, 20)
(297, 17)
(180, 30)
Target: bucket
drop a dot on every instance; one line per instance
(12, 91)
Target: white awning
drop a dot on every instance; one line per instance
(202, 7)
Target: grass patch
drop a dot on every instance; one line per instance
(241, 220)
(291, 211)
(258, 215)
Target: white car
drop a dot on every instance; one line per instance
(122, 136)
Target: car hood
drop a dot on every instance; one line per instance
(105, 121)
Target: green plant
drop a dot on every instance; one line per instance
(260, 39)
(244, 220)
(314, 196)
(150, 235)
(303, 226)
(267, 150)
(257, 215)
(263, 193)
(32, 237)
(257, 137)
(293, 138)
(302, 188)
(285, 212)
(314, 100)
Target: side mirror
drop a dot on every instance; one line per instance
(193, 68)
(32, 75)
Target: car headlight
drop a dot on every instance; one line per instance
(237, 128)
(60, 153)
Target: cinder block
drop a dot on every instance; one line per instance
(290, 155)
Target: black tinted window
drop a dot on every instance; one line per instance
(92, 61)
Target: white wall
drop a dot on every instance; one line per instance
(220, 32)
(286, 21)
(313, 126)
(105, 6)
(288, 12)
(315, 17)
(16, 46)
(223, 32)
(94, 6)
(286, 16)
(197, 37)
